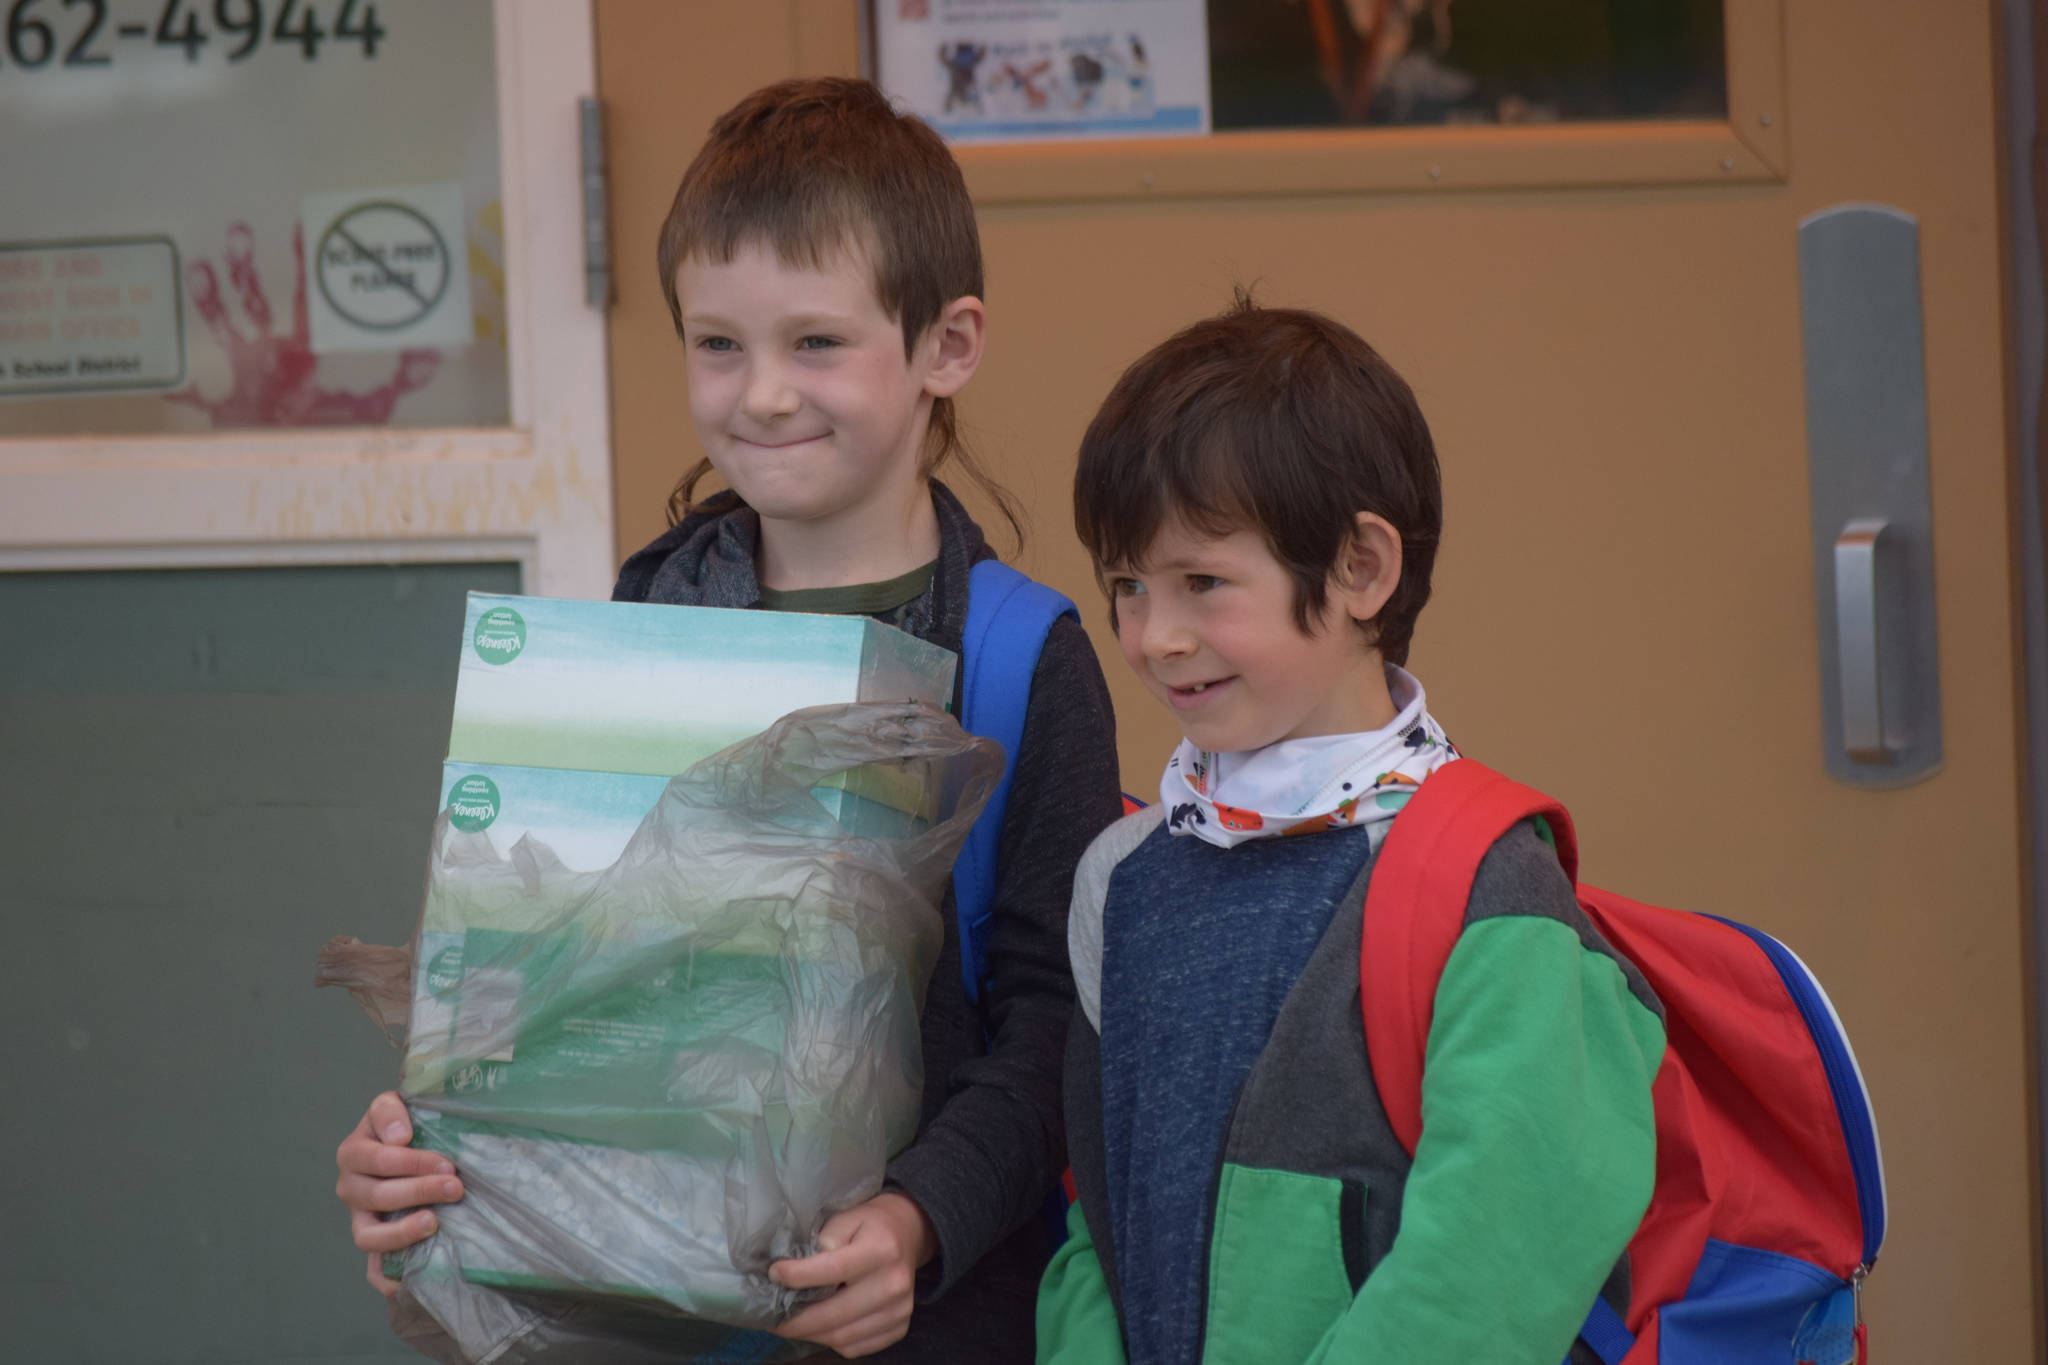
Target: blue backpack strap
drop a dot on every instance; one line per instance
(1606, 1333)
(1008, 618)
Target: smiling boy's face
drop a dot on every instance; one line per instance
(799, 387)
(1207, 623)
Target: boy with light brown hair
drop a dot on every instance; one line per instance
(823, 268)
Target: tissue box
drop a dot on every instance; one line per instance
(643, 1058)
(626, 687)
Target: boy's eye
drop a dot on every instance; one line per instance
(1202, 582)
(719, 345)
(817, 343)
(1125, 587)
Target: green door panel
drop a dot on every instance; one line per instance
(204, 775)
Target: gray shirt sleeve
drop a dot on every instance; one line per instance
(1091, 891)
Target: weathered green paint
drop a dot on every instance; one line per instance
(204, 774)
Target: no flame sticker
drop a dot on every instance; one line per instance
(389, 268)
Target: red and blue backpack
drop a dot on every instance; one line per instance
(1769, 1203)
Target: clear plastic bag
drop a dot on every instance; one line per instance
(658, 1078)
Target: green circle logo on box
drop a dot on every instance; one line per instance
(473, 804)
(500, 635)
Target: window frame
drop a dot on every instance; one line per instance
(537, 491)
(1750, 145)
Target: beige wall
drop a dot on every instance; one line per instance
(666, 70)
(1624, 610)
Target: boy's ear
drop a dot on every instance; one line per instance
(953, 346)
(1370, 568)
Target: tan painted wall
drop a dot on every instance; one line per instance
(1624, 612)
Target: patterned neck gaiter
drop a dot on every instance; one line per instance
(1305, 786)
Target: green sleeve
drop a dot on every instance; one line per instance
(1076, 1320)
(1536, 1162)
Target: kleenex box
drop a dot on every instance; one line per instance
(641, 1061)
(628, 687)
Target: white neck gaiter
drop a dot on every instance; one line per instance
(1304, 786)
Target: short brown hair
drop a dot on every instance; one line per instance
(1276, 420)
(824, 165)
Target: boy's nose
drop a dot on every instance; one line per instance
(768, 394)
(1166, 636)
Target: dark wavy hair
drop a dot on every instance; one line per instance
(1277, 420)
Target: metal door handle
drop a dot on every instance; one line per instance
(1870, 514)
(1856, 551)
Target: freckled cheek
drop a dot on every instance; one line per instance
(703, 417)
(846, 401)
(712, 396)
(1130, 640)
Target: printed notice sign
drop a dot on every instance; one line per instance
(979, 70)
(388, 269)
(90, 316)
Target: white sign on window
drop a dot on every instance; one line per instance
(389, 268)
(980, 70)
(91, 316)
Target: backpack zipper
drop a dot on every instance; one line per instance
(1845, 1084)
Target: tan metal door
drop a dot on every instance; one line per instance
(1624, 611)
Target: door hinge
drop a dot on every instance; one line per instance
(597, 256)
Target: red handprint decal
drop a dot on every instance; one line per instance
(273, 375)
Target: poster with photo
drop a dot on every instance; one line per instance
(1322, 63)
(1036, 70)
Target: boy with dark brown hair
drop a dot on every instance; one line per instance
(1260, 495)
